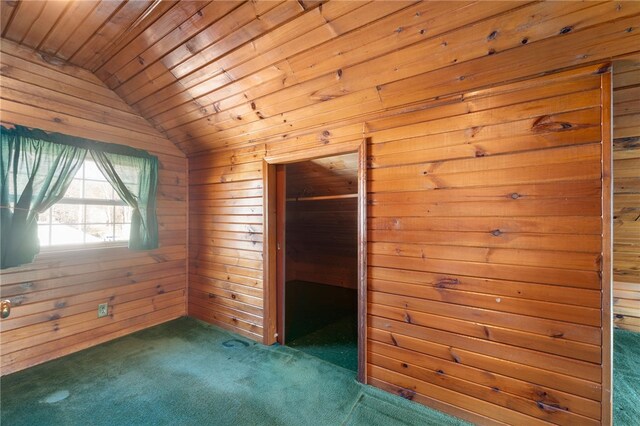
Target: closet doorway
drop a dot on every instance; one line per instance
(315, 267)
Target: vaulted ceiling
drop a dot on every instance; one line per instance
(211, 74)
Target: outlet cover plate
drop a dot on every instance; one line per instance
(103, 310)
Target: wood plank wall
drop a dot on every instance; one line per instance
(322, 231)
(55, 299)
(322, 242)
(536, 358)
(484, 252)
(626, 173)
(225, 239)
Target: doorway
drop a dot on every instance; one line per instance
(315, 264)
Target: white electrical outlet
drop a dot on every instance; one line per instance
(103, 310)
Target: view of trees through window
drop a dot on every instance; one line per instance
(90, 212)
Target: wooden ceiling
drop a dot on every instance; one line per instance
(218, 74)
(323, 177)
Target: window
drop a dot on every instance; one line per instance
(90, 212)
(60, 190)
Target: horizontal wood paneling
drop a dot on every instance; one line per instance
(321, 226)
(55, 298)
(225, 226)
(438, 310)
(626, 198)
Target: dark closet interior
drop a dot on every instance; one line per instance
(321, 258)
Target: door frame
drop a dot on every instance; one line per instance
(271, 265)
(606, 264)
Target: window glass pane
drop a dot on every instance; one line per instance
(67, 234)
(91, 171)
(75, 189)
(75, 221)
(123, 214)
(98, 190)
(99, 233)
(67, 213)
(80, 172)
(99, 214)
(43, 235)
(122, 232)
(44, 217)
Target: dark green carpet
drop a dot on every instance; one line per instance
(336, 343)
(312, 306)
(321, 320)
(626, 378)
(188, 373)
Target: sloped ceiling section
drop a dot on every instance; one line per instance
(197, 68)
(219, 74)
(162, 56)
(323, 177)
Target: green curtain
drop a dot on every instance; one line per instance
(35, 174)
(37, 168)
(135, 181)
